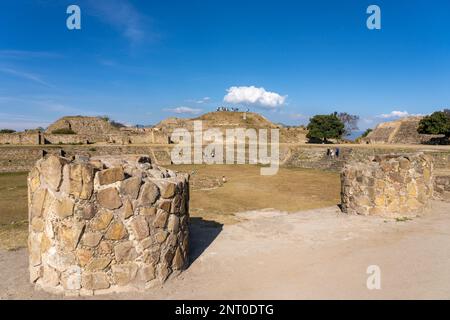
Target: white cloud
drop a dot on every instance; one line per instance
(397, 114)
(23, 54)
(184, 110)
(44, 104)
(297, 116)
(20, 122)
(254, 96)
(24, 75)
(203, 100)
(121, 15)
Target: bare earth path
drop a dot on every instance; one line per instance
(313, 254)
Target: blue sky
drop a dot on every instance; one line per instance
(142, 61)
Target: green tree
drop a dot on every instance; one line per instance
(117, 124)
(324, 127)
(7, 131)
(366, 133)
(63, 131)
(436, 123)
(350, 122)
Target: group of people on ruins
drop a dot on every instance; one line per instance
(333, 153)
(230, 109)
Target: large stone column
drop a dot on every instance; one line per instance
(389, 185)
(109, 224)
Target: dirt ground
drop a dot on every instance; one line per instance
(306, 255)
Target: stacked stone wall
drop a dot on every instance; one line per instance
(389, 185)
(105, 224)
(22, 158)
(21, 138)
(67, 139)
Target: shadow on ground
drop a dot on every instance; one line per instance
(202, 234)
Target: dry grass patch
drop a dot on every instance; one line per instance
(13, 210)
(292, 189)
(14, 236)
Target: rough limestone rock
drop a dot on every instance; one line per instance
(101, 225)
(388, 185)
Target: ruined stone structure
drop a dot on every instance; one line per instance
(23, 158)
(442, 187)
(83, 125)
(106, 224)
(86, 130)
(22, 138)
(224, 120)
(389, 185)
(403, 131)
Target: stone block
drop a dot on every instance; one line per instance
(110, 176)
(109, 198)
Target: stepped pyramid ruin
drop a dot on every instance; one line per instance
(403, 131)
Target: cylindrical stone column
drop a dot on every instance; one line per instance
(389, 185)
(108, 224)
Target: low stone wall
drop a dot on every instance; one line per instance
(389, 185)
(21, 159)
(315, 157)
(106, 224)
(65, 139)
(119, 137)
(21, 138)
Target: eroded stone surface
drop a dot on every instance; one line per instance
(109, 198)
(110, 176)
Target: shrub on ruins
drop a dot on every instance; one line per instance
(365, 134)
(116, 124)
(63, 131)
(324, 127)
(7, 131)
(436, 123)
